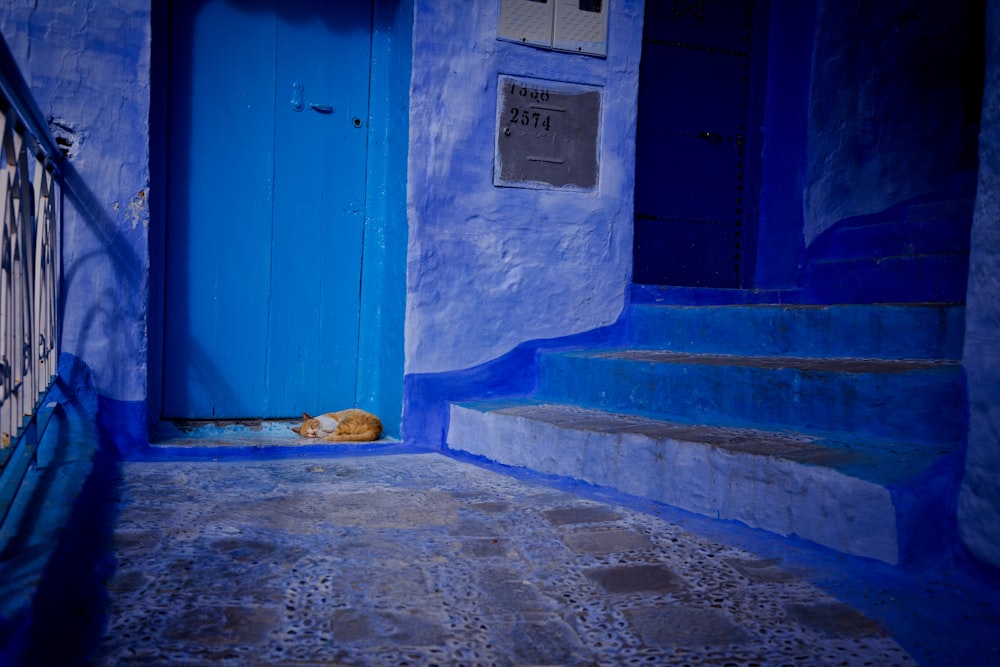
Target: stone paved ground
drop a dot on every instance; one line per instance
(419, 559)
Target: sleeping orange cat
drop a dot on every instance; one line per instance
(352, 425)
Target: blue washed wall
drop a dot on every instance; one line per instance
(894, 107)
(869, 155)
(488, 267)
(886, 120)
(88, 64)
(979, 500)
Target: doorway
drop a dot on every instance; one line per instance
(696, 161)
(267, 122)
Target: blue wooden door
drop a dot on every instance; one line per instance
(692, 208)
(268, 116)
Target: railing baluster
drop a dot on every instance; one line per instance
(24, 281)
(44, 288)
(30, 223)
(6, 252)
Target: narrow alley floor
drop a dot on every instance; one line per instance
(421, 559)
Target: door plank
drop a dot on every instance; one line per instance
(219, 209)
(319, 209)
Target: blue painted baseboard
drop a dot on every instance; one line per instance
(123, 426)
(426, 396)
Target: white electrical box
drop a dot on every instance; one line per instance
(576, 26)
(581, 26)
(527, 21)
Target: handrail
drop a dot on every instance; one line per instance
(17, 93)
(30, 230)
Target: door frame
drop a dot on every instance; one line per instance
(383, 270)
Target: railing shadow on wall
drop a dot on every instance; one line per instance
(31, 227)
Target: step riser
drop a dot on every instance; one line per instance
(917, 405)
(818, 504)
(887, 332)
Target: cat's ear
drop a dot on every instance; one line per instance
(296, 428)
(305, 415)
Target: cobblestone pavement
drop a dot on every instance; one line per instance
(419, 559)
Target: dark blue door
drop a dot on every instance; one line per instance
(691, 205)
(268, 116)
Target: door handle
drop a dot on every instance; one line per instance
(297, 104)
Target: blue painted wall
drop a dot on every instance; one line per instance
(869, 155)
(979, 500)
(88, 64)
(886, 117)
(489, 267)
(893, 114)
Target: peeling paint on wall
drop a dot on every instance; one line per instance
(135, 211)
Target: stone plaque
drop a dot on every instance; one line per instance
(547, 134)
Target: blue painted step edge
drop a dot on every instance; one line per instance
(898, 331)
(914, 401)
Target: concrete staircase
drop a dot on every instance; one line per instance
(836, 424)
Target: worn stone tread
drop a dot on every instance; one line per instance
(878, 461)
(820, 364)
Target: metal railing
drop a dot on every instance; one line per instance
(30, 228)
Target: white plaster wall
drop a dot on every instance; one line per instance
(489, 268)
(88, 63)
(979, 500)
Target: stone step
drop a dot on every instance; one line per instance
(918, 400)
(846, 495)
(905, 331)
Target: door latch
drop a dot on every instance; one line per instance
(298, 104)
